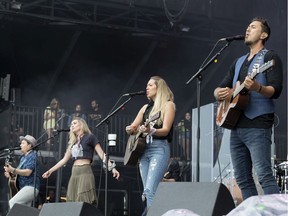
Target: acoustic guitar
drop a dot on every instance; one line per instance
(12, 181)
(229, 110)
(136, 144)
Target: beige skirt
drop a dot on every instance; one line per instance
(81, 186)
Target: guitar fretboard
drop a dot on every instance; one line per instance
(253, 74)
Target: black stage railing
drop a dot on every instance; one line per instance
(21, 120)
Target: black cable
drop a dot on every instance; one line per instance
(219, 168)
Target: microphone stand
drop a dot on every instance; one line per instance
(106, 120)
(35, 165)
(198, 75)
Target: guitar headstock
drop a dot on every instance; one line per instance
(267, 65)
(259, 69)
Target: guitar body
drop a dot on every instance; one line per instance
(134, 149)
(12, 184)
(136, 144)
(12, 181)
(229, 110)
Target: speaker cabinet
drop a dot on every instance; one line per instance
(23, 210)
(69, 209)
(203, 198)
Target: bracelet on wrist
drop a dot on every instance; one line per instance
(14, 171)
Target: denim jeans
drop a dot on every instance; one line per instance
(25, 196)
(153, 165)
(251, 147)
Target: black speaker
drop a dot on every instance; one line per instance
(23, 210)
(202, 198)
(69, 209)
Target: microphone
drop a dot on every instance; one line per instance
(237, 37)
(61, 130)
(12, 149)
(135, 93)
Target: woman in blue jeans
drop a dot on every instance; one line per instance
(158, 133)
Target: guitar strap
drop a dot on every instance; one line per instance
(148, 110)
(256, 63)
(149, 138)
(22, 161)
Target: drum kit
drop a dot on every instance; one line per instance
(281, 176)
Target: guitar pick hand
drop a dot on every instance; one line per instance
(222, 93)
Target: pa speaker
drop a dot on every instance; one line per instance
(202, 198)
(23, 210)
(69, 209)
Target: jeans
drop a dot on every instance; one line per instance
(251, 147)
(153, 165)
(25, 196)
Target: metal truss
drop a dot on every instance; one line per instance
(85, 13)
(138, 18)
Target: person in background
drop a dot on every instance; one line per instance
(95, 112)
(173, 173)
(77, 113)
(51, 198)
(39, 202)
(251, 137)
(184, 128)
(52, 115)
(82, 146)
(16, 130)
(158, 133)
(25, 173)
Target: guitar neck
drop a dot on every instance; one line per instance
(139, 133)
(252, 75)
(238, 90)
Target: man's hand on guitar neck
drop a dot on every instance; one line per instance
(9, 169)
(251, 84)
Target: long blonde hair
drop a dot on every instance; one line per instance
(84, 129)
(163, 95)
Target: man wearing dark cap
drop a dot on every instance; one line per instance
(23, 175)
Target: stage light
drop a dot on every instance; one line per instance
(184, 28)
(112, 139)
(16, 5)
